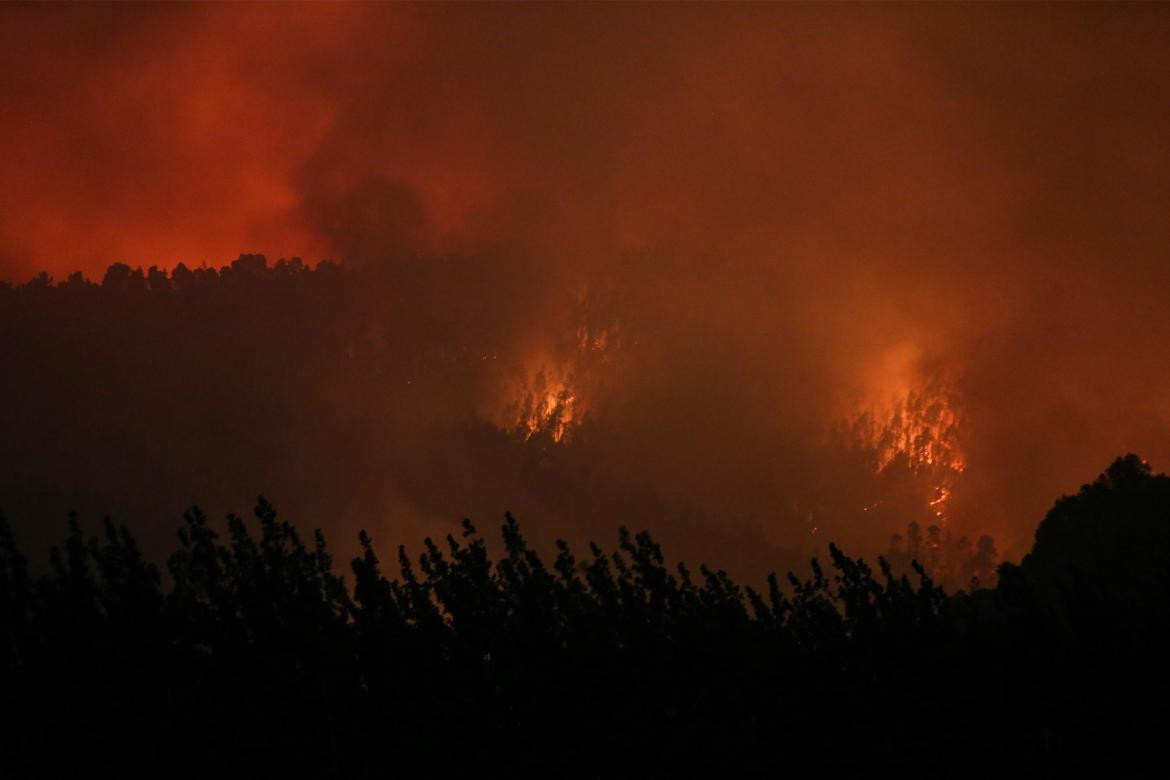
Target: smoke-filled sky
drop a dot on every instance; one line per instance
(791, 215)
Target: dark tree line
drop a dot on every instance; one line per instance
(257, 658)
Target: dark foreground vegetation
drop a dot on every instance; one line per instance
(257, 659)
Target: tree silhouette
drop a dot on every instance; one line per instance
(253, 656)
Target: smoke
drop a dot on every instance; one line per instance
(777, 217)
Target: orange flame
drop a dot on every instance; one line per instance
(549, 399)
(548, 406)
(919, 432)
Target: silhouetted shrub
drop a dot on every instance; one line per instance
(256, 658)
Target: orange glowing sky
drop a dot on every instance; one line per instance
(901, 139)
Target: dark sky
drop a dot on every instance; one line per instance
(803, 212)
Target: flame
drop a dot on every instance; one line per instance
(924, 429)
(918, 431)
(557, 385)
(938, 503)
(548, 405)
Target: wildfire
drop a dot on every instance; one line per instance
(910, 442)
(548, 406)
(920, 433)
(549, 399)
(923, 428)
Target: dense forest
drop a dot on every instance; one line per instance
(251, 654)
(400, 397)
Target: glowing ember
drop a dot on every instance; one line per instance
(939, 502)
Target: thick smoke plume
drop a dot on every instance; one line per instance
(682, 266)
